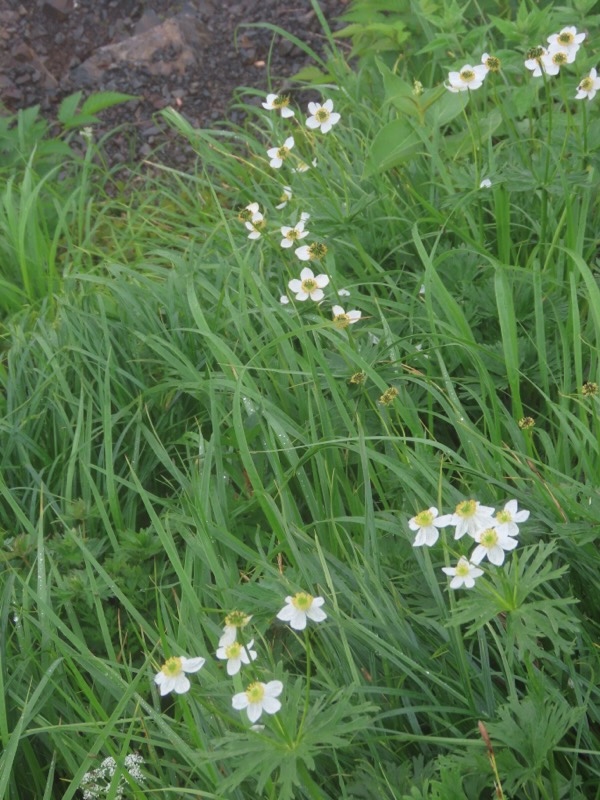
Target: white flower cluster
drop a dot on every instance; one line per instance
(542, 60)
(494, 533)
(258, 697)
(308, 286)
(97, 783)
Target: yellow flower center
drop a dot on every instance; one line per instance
(535, 52)
(566, 38)
(281, 102)
(283, 152)
(466, 509)
(322, 115)
(255, 692)
(341, 320)
(292, 235)
(233, 650)
(504, 516)
(302, 601)
(237, 619)
(489, 538)
(424, 519)
(492, 63)
(559, 58)
(317, 250)
(309, 285)
(462, 568)
(586, 84)
(245, 215)
(172, 667)
(467, 75)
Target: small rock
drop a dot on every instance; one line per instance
(58, 8)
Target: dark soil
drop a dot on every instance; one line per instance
(45, 47)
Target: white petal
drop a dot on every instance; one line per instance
(254, 711)
(307, 273)
(239, 701)
(182, 685)
(295, 285)
(270, 705)
(337, 310)
(328, 105)
(317, 295)
(312, 123)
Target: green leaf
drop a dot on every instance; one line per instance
(68, 107)
(102, 100)
(395, 143)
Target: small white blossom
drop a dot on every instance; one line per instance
(304, 216)
(279, 154)
(492, 543)
(308, 285)
(299, 608)
(322, 116)
(284, 299)
(236, 654)
(292, 234)
(255, 213)
(285, 197)
(506, 520)
(311, 252)
(567, 39)
(491, 63)
(588, 86)
(553, 60)
(534, 61)
(257, 698)
(471, 517)
(343, 293)
(426, 524)
(468, 78)
(303, 166)
(464, 574)
(172, 678)
(279, 102)
(341, 318)
(233, 621)
(255, 227)
(485, 184)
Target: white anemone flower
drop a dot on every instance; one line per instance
(471, 517)
(553, 60)
(285, 197)
(485, 184)
(508, 519)
(588, 86)
(427, 524)
(292, 234)
(255, 226)
(284, 299)
(322, 116)
(172, 678)
(463, 574)
(567, 39)
(343, 293)
(341, 318)
(255, 212)
(233, 621)
(279, 102)
(279, 154)
(311, 252)
(534, 61)
(257, 698)
(308, 285)
(468, 78)
(493, 544)
(236, 654)
(299, 608)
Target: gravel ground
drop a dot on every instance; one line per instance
(190, 54)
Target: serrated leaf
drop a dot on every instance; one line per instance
(68, 107)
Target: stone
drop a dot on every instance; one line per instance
(58, 8)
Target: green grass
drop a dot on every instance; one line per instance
(175, 444)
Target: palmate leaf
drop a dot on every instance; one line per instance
(519, 597)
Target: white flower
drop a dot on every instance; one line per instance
(303, 166)
(284, 299)
(285, 197)
(304, 216)
(464, 574)
(492, 544)
(492, 63)
(534, 61)
(299, 608)
(257, 698)
(567, 39)
(588, 86)
(87, 133)
(171, 677)
(279, 102)
(279, 154)
(309, 285)
(233, 621)
(342, 319)
(322, 117)
(471, 517)
(343, 293)
(291, 235)
(236, 654)
(426, 523)
(485, 184)
(255, 227)
(468, 78)
(553, 60)
(311, 252)
(255, 214)
(506, 520)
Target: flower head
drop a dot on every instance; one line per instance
(341, 318)
(567, 39)
(471, 517)
(233, 621)
(534, 61)
(322, 117)
(236, 654)
(492, 63)
(468, 78)
(464, 574)
(553, 60)
(257, 698)
(172, 678)
(426, 524)
(279, 154)
(285, 197)
(506, 520)
(485, 184)
(309, 285)
(279, 102)
(311, 252)
(588, 86)
(291, 235)
(492, 543)
(255, 226)
(250, 213)
(299, 608)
